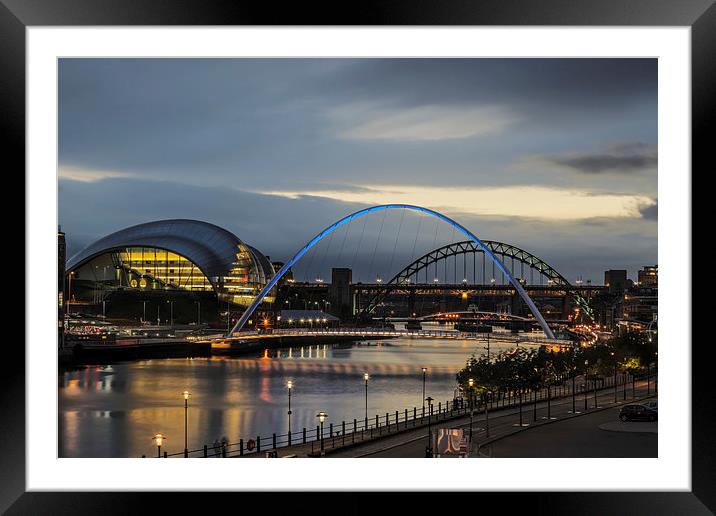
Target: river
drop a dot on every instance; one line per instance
(113, 410)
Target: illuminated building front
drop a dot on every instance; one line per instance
(173, 255)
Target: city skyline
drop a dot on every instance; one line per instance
(555, 156)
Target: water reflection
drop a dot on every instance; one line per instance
(113, 410)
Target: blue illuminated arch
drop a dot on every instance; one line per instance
(526, 298)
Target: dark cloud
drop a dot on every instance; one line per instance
(583, 85)
(650, 212)
(621, 158)
(262, 121)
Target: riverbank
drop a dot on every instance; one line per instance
(137, 349)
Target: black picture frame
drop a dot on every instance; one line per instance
(700, 15)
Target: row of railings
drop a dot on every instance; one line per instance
(368, 332)
(334, 435)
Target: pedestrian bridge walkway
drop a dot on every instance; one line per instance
(383, 333)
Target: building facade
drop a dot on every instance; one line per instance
(177, 257)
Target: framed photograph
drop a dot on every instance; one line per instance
(437, 233)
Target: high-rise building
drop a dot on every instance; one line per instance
(649, 275)
(616, 280)
(61, 258)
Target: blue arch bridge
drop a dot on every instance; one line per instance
(490, 249)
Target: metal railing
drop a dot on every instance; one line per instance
(358, 430)
(378, 332)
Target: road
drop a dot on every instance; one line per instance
(568, 435)
(577, 437)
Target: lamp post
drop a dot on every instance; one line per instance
(366, 377)
(429, 447)
(471, 383)
(574, 395)
(321, 418)
(534, 397)
(486, 397)
(289, 386)
(425, 370)
(69, 291)
(198, 313)
(186, 395)
(586, 375)
(159, 440)
(624, 382)
(171, 312)
(144, 311)
(615, 375)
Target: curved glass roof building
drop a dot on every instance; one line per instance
(176, 254)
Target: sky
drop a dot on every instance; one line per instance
(555, 156)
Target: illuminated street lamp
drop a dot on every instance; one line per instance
(321, 418)
(159, 440)
(471, 383)
(429, 447)
(366, 377)
(586, 371)
(615, 375)
(425, 370)
(289, 386)
(186, 395)
(171, 312)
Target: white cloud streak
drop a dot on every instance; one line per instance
(511, 201)
(88, 175)
(423, 123)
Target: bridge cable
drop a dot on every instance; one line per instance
(345, 236)
(380, 232)
(395, 245)
(325, 254)
(415, 242)
(310, 265)
(435, 239)
(360, 241)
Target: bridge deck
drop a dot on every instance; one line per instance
(388, 333)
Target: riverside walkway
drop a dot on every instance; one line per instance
(405, 433)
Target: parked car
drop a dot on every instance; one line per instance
(639, 412)
(651, 404)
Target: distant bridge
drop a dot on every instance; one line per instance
(411, 274)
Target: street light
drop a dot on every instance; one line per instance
(186, 395)
(425, 370)
(159, 440)
(429, 447)
(615, 376)
(198, 313)
(586, 371)
(471, 382)
(321, 418)
(366, 377)
(171, 312)
(289, 386)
